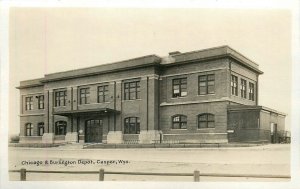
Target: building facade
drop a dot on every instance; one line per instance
(206, 96)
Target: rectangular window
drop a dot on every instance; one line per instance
(234, 85)
(251, 91)
(103, 93)
(206, 84)
(84, 95)
(179, 122)
(179, 87)
(29, 129)
(29, 103)
(243, 88)
(40, 129)
(60, 98)
(132, 90)
(132, 125)
(41, 101)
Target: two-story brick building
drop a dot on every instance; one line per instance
(206, 96)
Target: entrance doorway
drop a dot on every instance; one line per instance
(274, 133)
(94, 130)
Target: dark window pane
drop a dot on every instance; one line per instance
(202, 78)
(176, 81)
(211, 124)
(202, 124)
(203, 118)
(211, 89)
(179, 87)
(211, 77)
(210, 117)
(207, 84)
(183, 118)
(183, 125)
(176, 126)
(206, 121)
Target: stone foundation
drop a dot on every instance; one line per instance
(30, 139)
(115, 137)
(72, 137)
(149, 137)
(48, 138)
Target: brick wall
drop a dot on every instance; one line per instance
(192, 111)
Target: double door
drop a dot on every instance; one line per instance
(93, 131)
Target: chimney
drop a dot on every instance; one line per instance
(174, 53)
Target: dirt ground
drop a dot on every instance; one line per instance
(268, 159)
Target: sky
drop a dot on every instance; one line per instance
(49, 40)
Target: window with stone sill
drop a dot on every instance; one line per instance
(234, 85)
(60, 128)
(206, 84)
(243, 88)
(179, 87)
(29, 103)
(28, 129)
(179, 122)
(132, 125)
(40, 129)
(60, 98)
(41, 102)
(84, 96)
(206, 121)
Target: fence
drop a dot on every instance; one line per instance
(196, 175)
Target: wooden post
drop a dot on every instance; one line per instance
(23, 174)
(196, 176)
(101, 175)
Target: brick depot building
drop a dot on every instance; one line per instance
(206, 96)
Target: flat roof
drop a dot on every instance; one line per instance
(246, 107)
(86, 111)
(144, 61)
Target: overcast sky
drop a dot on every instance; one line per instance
(45, 41)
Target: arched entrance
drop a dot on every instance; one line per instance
(94, 130)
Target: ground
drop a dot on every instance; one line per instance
(272, 159)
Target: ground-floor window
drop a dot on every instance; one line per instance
(29, 129)
(60, 128)
(132, 125)
(206, 121)
(179, 122)
(40, 129)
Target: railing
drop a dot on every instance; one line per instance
(131, 142)
(166, 141)
(196, 175)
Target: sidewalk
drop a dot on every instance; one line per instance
(199, 145)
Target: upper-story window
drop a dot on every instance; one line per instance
(179, 122)
(132, 125)
(29, 103)
(179, 87)
(251, 91)
(60, 98)
(243, 88)
(234, 85)
(41, 101)
(206, 121)
(206, 84)
(84, 95)
(132, 90)
(103, 93)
